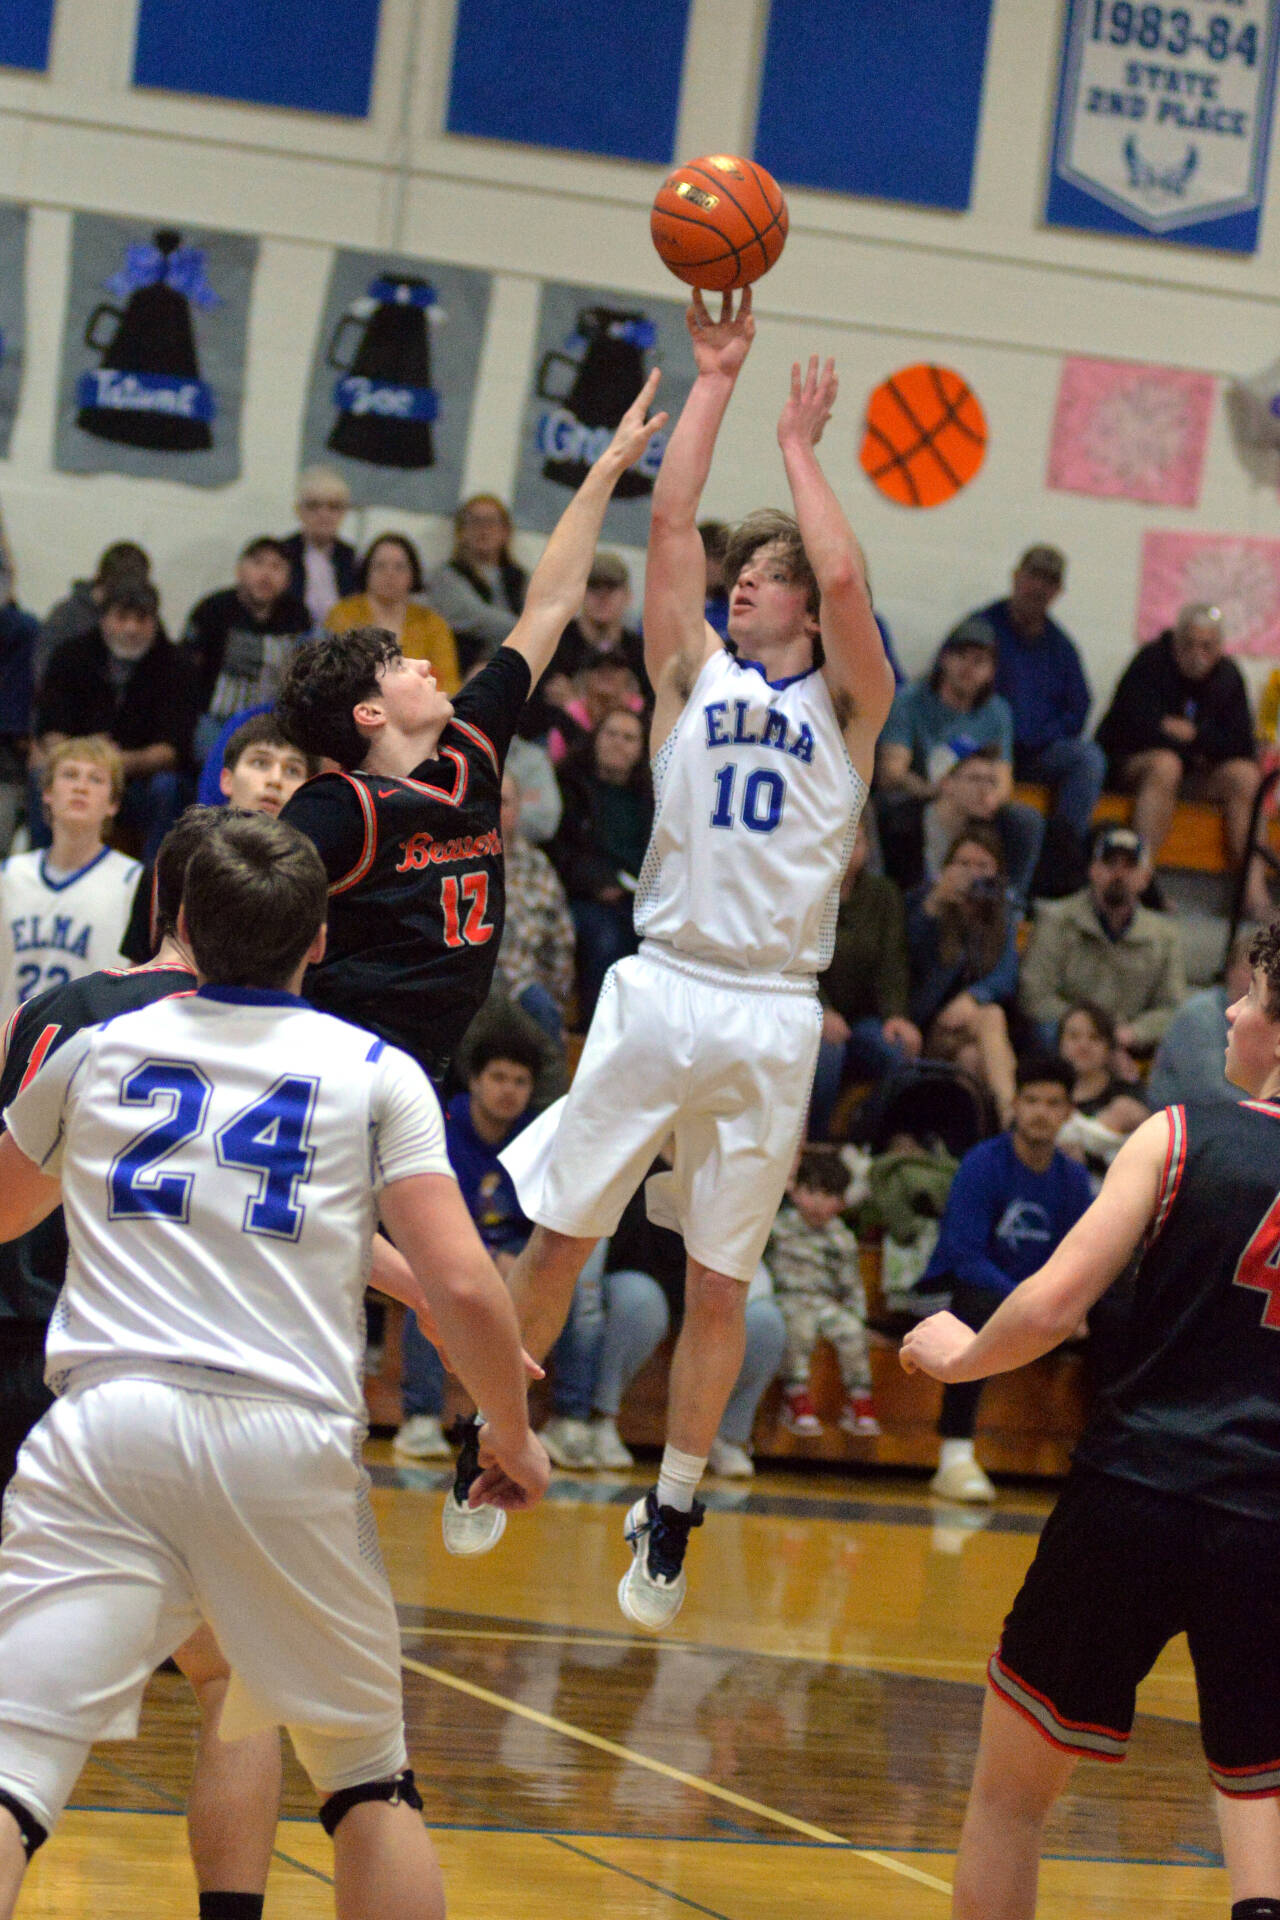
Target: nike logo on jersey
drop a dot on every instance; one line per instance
(387, 793)
(727, 726)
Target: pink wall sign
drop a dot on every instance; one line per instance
(1240, 575)
(1130, 432)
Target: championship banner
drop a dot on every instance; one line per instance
(13, 255)
(1164, 119)
(153, 351)
(595, 349)
(393, 377)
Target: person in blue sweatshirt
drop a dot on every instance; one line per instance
(501, 1070)
(1013, 1199)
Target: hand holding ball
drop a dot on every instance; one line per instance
(719, 222)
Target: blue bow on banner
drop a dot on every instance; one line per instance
(182, 269)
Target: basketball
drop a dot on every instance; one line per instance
(926, 435)
(719, 222)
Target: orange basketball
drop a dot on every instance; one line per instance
(719, 222)
(926, 435)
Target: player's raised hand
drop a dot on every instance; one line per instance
(935, 1345)
(634, 431)
(511, 1477)
(809, 404)
(721, 346)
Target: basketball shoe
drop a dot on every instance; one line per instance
(651, 1591)
(469, 1529)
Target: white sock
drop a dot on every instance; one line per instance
(953, 1452)
(678, 1478)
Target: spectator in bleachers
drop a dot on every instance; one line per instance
(1014, 1198)
(961, 940)
(970, 790)
(866, 1031)
(932, 724)
(1101, 945)
(603, 683)
(1190, 1059)
(535, 959)
(501, 1067)
(389, 575)
(598, 852)
(239, 640)
(617, 1324)
(601, 627)
(322, 568)
(80, 612)
(1179, 726)
(18, 632)
(813, 1257)
(125, 679)
(1039, 672)
(541, 802)
(480, 588)
(1107, 1102)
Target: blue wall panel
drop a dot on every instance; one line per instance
(25, 29)
(596, 78)
(874, 97)
(313, 54)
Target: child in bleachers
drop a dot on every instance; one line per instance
(813, 1257)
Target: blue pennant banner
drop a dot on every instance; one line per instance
(1164, 118)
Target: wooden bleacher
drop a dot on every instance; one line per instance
(1027, 1423)
(1196, 841)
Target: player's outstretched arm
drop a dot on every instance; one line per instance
(27, 1196)
(1049, 1306)
(428, 1219)
(675, 570)
(856, 665)
(560, 578)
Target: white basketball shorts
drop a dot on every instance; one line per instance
(140, 1509)
(716, 1065)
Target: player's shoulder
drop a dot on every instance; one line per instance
(21, 866)
(121, 867)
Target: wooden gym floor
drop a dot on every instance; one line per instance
(801, 1744)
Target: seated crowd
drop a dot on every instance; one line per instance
(1009, 954)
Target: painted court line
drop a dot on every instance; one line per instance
(629, 1754)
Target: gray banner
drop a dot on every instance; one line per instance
(13, 255)
(393, 378)
(594, 349)
(153, 351)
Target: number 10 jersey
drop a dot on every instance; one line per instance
(756, 806)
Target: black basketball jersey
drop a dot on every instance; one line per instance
(32, 1268)
(416, 876)
(1192, 1406)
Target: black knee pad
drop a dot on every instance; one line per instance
(33, 1834)
(395, 1791)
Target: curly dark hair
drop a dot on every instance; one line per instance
(323, 684)
(1264, 954)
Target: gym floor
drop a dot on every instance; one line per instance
(802, 1742)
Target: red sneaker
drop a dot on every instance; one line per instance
(859, 1416)
(798, 1415)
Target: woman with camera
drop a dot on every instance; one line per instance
(961, 943)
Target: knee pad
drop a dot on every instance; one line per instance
(33, 1834)
(400, 1789)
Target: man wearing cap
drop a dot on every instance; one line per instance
(1099, 944)
(1038, 671)
(126, 680)
(1179, 724)
(599, 628)
(933, 724)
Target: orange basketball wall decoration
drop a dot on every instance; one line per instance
(926, 435)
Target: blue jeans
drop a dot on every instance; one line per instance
(605, 933)
(422, 1375)
(1074, 770)
(636, 1318)
(540, 1006)
(865, 1055)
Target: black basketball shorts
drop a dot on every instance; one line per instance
(1121, 1569)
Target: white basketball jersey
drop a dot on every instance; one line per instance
(756, 804)
(219, 1155)
(55, 930)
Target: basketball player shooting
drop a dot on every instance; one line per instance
(708, 1036)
